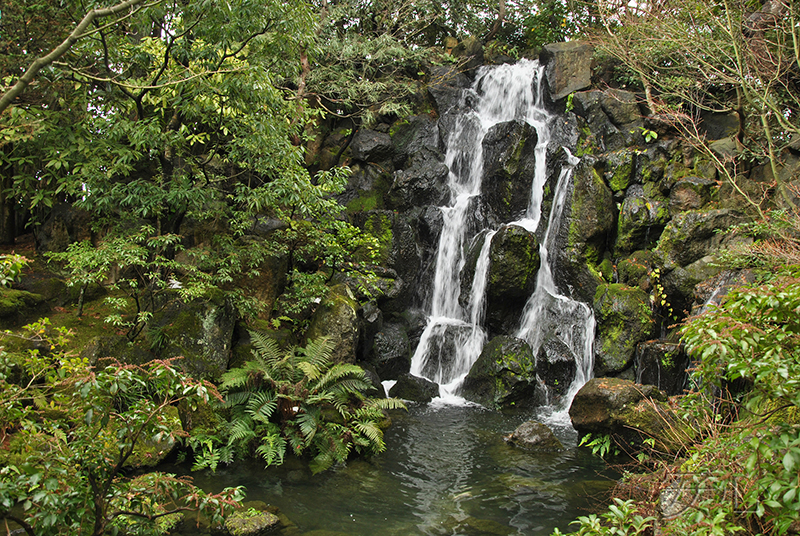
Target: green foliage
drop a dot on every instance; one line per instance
(10, 268)
(69, 432)
(601, 445)
(298, 401)
(622, 519)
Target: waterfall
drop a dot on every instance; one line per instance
(454, 335)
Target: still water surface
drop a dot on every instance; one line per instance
(446, 471)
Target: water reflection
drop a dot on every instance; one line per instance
(446, 471)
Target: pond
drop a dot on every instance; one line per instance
(446, 471)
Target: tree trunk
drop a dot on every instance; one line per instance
(501, 15)
(8, 228)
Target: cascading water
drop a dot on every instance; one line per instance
(454, 335)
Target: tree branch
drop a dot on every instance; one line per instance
(41, 62)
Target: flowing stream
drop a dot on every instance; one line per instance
(502, 93)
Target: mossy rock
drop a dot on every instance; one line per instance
(630, 413)
(641, 220)
(692, 235)
(619, 167)
(251, 522)
(504, 376)
(18, 306)
(635, 269)
(624, 319)
(514, 258)
(337, 319)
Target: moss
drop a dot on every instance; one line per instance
(18, 304)
(251, 522)
(380, 227)
(606, 269)
(621, 177)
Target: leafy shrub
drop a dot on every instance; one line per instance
(295, 399)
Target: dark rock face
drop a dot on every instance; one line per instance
(446, 83)
(504, 376)
(620, 107)
(414, 388)
(568, 67)
(624, 319)
(556, 365)
(416, 133)
(337, 318)
(422, 182)
(470, 50)
(691, 235)
(371, 146)
(663, 365)
(65, 225)
(534, 436)
(513, 264)
(509, 167)
(599, 133)
(391, 352)
(628, 412)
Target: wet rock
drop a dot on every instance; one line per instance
(556, 365)
(509, 167)
(337, 319)
(371, 146)
(534, 435)
(567, 67)
(422, 182)
(662, 364)
(414, 388)
(504, 376)
(445, 85)
(391, 352)
(624, 319)
(711, 291)
(590, 223)
(411, 135)
(636, 269)
(690, 193)
(641, 220)
(598, 132)
(628, 412)
(618, 169)
(445, 345)
(513, 264)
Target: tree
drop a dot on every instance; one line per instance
(177, 118)
(69, 433)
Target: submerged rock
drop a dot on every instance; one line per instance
(251, 522)
(534, 435)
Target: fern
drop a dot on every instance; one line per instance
(261, 405)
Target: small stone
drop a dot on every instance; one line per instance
(534, 435)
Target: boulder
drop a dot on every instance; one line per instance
(513, 266)
(598, 134)
(251, 522)
(371, 146)
(200, 331)
(641, 220)
(534, 435)
(629, 413)
(691, 235)
(624, 319)
(509, 166)
(504, 376)
(567, 67)
(411, 135)
(719, 125)
(445, 85)
(337, 319)
(65, 225)
(556, 365)
(470, 52)
(690, 193)
(150, 452)
(422, 182)
(619, 169)
(18, 306)
(662, 364)
(445, 343)
(414, 389)
(590, 224)
(391, 352)
(620, 106)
